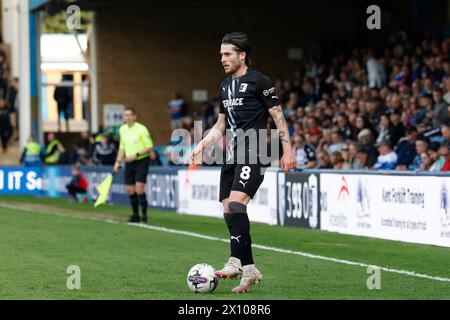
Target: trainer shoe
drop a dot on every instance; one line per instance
(231, 269)
(250, 276)
(144, 219)
(133, 219)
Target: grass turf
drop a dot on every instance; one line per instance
(118, 261)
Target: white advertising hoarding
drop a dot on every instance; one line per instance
(396, 207)
(199, 195)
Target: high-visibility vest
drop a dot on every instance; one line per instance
(54, 157)
(32, 152)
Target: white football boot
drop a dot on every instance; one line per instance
(231, 269)
(250, 276)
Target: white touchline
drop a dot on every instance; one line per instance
(262, 247)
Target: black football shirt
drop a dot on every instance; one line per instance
(245, 101)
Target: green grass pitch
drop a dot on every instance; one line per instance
(40, 238)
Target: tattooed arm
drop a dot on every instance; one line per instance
(216, 132)
(287, 161)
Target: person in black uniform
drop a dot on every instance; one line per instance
(247, 97)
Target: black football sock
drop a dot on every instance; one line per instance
(134, 203)
(227, 218)
(240, 231)
(143, 203)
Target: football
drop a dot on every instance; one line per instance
(201, 278)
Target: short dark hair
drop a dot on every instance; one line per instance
(130, 109)
(241, 42)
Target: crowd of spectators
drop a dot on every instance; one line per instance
(386, 110)
(9, 101)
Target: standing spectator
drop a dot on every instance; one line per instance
(387, 158)
(104, 152)
(305, 155)
(175, 108)
(54, 150)
(6, 129)
(32, 153)
(12, 100)
(63, 96)
(375, 70)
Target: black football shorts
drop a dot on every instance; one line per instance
(240, 177)
(136, 171)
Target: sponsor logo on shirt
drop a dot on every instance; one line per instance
(233, 102)
(268, 91)
(243, 87)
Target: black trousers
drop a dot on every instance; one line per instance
(73, 190)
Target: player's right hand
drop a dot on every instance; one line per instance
(196, 156)
(116, 167)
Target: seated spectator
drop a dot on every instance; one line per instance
(421, 146)
(337, 141)
(78, 184)
(439, 112)
(446, 166)
(105, 151)
(396, 130)
(32, 153)
(387, 158)
(366, 139)
(305, 154)
(337, 160)
(406, 149)
(361, 161)
(425, 162)
(324, 160)
(346, 157)
(383, 129)
(442, 156)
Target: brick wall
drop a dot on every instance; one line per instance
(146, 53)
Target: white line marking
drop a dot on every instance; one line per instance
(262, 247)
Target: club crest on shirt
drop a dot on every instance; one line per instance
(243, 87)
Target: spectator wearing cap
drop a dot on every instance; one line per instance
(421, 146)
(365, 137)
(406, 149)
(387, 158)
(396, 130)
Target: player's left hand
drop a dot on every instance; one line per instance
(287, 161)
